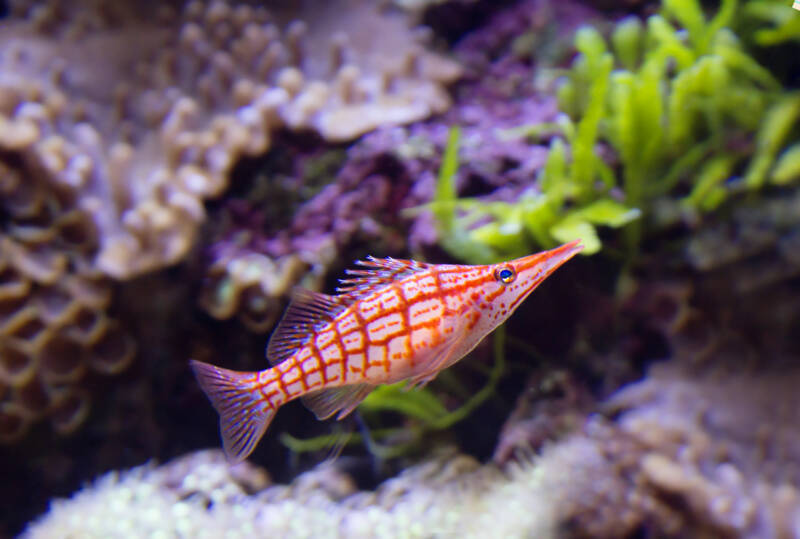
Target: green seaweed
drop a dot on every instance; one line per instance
(783, 24)
(674, 97)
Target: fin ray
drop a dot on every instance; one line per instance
(243, 417)
(307, 313)
(377, 272)
(439, 362)
(326, 402)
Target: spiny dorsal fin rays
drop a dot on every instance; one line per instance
(306, 314)
(309, 311)
(378, 272)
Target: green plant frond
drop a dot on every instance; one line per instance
(778, 122)
(684, 103)
(555, 171)
(503, 237)
(664, 43)
(572, 228)
(454, 238)
(679, 169)
(787, 169)
(586, 137)
(627, 42)
(728, 48)
(533, 132)
(711, 175)
(724, 18)
(607, 212)
(690, 15)
(446, 183)
(784, 18)
(420, 404)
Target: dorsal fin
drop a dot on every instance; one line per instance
(378, 272)
(307, 312)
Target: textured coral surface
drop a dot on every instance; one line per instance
(145, 116)
(660, 468)
(54, 328)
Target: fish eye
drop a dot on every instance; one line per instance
(505, 275)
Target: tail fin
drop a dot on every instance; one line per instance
(243, 415)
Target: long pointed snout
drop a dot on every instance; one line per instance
(546, 262)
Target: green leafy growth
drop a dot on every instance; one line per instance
(568, 204)
(782, 20)
(672, 96)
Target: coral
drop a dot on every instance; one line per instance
(746, 237)
(672, 454)
(257, 251)
(554, 405)
(429, 498)
(728, 465)
(253, 287)
(147, 132)
(668, 133)
(54, 329)
(681, 459)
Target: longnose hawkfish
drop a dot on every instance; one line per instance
(394, 320)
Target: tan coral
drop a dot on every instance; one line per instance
(254, 287)
(50, 302)
(70, 408)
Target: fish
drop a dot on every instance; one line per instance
(391, 320)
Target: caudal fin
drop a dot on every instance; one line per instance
(243, 415)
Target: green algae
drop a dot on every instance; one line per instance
(691, 116)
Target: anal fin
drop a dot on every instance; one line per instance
(345, 399)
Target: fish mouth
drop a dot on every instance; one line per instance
(547, 262)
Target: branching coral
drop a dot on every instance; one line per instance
(758, 238)
(725, 465)
(655, 99)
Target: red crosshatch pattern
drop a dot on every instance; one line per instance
(397, 320)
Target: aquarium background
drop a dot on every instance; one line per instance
(171, 171)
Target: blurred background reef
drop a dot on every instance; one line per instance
(171, 170)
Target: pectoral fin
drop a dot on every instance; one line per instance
(440, 362)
